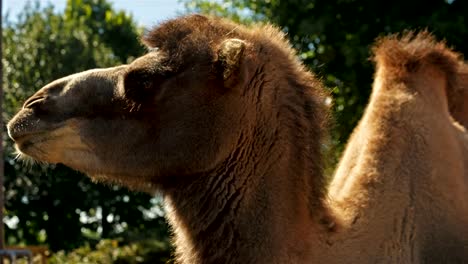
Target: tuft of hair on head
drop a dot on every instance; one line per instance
(173, 30)
(183, 40)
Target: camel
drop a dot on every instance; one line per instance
(404, 171)
(227, 124)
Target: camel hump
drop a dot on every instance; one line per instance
(405, 54)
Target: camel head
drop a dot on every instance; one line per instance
(174, 112)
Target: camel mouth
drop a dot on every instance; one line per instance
(25, 138)
(29, 144)
(44, 142)
(24, 142)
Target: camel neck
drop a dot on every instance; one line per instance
(265, 202)
(258, 211)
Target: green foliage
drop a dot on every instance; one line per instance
(334, 39)
(111, 27)
(109, 251)
(53, 204)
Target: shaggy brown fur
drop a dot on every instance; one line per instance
(227, 124)
(403, 181)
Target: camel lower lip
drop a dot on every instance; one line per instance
(26, 141)
(24, 145)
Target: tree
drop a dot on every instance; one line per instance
(53, 204)
(334, 39)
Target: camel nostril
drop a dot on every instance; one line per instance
(32, 102)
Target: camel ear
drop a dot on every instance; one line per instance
(230, 55)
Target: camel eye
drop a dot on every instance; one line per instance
(140, 85)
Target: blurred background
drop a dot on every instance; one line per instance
(82, 222)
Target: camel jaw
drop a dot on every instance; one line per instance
(63, 143)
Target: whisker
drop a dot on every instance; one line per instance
(27, 160)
